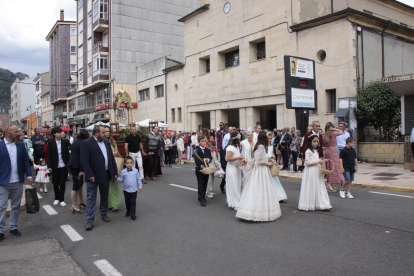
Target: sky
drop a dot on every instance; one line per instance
(24, 24)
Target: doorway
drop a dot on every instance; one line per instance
(268, 119)
(234, 117)
(205, 120)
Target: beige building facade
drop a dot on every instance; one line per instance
(234, 58)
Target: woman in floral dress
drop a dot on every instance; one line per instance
(331, 153)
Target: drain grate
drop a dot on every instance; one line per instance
(388, 174)
(384, 166)
(384, 178)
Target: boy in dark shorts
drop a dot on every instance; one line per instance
(349, 166)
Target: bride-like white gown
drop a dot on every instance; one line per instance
(233, 179)
(259, 200)
(279, 188)
(313, 194)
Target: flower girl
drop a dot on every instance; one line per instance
(279, 188)
(43, 175)
(313, 194)
(259, 200)
(233, 172)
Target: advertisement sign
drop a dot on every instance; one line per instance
(124, 105)
(303, 98)
(301, 68)
(102, 106)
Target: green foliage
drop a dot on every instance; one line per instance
(378, 107)
(142, 132)
(6, 80)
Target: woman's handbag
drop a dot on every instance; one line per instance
(274, 170)
(183, 156)
(119, 164)
(328, 172)
(299, 161)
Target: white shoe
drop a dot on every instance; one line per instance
(45, 190)
(56, 202)
(209, 195)
(342, 194)
(63, 204)
(348, 195)
(41, 190)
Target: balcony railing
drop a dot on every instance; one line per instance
(98, 47)
(100, 25)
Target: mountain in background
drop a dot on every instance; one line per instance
(7, 78)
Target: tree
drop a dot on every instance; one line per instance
(379, 107)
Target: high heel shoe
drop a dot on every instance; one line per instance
(74, 211)
(80, 205)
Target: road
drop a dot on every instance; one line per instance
(372, 234)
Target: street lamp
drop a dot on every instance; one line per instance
(72, 73)
(29, 118)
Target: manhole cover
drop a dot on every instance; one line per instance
(387, 174)
(385, 166)
(384, 178)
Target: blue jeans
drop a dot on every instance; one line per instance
(92, 190)
(16, 192)
(349, 176)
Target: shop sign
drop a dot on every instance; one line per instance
(102, 106)
(303, 98)
(76, 122)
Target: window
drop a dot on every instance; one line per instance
(91, 100)
(90, 44)
(100, 10)
(204, 66)
(73, 31)
(81, 75)
(89, 18)
(143, 95)
(80, 51)
(159, 91)
(232, 58)
(81, 102)
(37, 86)
(106, 95)
(100, 97)
(80, 26)
(73, 67)
(72, 105)
(207, 65)
(90, 69)
(261, 50)
(173, 114)
(73, 50)
(100, 65)
(331, 101)
(179, 114)
(72, 87)
(80, 4)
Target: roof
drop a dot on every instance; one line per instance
(400, 85)
(194, 13)
(345, 13)
(59, 23)
(172, 68)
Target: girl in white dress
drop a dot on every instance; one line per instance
(279, 188)
(233, 172)
(259, 200)
(313, 194)
(42, 175)
(247, 152)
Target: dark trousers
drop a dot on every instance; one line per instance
(167, 157)
(224, 166)
(412, 147)
(77, 180)
(152, 164)
(59, 177)
(37, 154)
(294, 160)
(131, 202)
(92, 190)
(285, 156)
(174, 154)
(202, 181)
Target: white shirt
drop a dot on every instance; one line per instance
(317, 133)
(341, 139)
(255, 135)
(59, 148)
(104, 152)
(71, 140)
(202, 149)
(226, 140)
(12, 149)
(412, 136)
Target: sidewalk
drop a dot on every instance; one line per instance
(380, 176)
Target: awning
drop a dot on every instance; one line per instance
(342, 113)
(400, 85)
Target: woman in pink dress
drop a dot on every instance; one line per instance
(331, 153)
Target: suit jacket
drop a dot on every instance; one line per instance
(305, 144)
(288, 140)
(52, 153)
(23, 164)
(206, 154)
(74, 160)
(93, 160)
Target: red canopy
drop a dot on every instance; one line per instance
(45, 130)
(66, 129)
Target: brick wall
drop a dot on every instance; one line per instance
(381, 152)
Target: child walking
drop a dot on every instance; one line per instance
(130, 177)
(349, 166)
(202, 155)
(213, 163)
(313, 194)
(43, 174)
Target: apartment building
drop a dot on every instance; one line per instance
(4, 118)
(234, 59)
(42, 87)
(62, 55)
(114, 37)
(23, 100)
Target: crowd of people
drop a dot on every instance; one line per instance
(241, 163)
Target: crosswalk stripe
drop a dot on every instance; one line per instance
(106, 268)
(72, 234)
(49, 210)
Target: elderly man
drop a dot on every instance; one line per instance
(315, 131)
(14, 165)
(153, 145)
(257, 129)
(134, 148)
(284, 143)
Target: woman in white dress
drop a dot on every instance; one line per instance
(247, 152)
(259, 200)
(233, 172)
(313, 194)
(279, 188)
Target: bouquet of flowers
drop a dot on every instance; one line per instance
(219, 173)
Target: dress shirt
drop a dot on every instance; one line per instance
(104, 152)
(341, 140)
(12, 149)
(59, 148)
(281, 138)
(412, 136)
(131, 179)
(202, 149)
(255, 135)
(226, 140)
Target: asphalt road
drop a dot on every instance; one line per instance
(372, 234)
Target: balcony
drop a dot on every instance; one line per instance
(71, 92)
(99, 48)
(100, 25)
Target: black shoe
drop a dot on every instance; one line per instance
(203, 204)
(105, 218)
(1, 236)
(89, 225)
(15, 233)
(127, 214)
(412, 171)
(283, 169)
(133, 217)
(223, 191)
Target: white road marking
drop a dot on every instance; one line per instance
(73, 235)
(106, 268)
(193, 169)
(184, 187)
(390, 194)
(49, 210)
(177, 167)
(39, 196)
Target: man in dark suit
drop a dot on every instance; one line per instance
(57, 158)
(202, 179)
(315, 131)
(14, 164)
(99, 167)
(284, 143)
